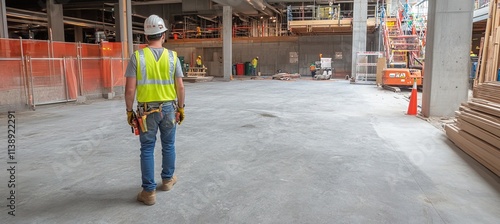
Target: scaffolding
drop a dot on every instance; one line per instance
(366, 67)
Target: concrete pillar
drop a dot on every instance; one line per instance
(4, 31)
(78, 34)
(360, 14)
(227, 41)
(78, 29)
(449, 34)
(123, 24)
(55, 20)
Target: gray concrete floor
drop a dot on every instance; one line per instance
(255, 151)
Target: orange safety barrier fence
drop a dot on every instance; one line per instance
(10, 48)
(36, 72)
(12, 85)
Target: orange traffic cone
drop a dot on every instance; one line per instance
(412, 107)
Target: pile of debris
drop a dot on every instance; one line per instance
(286, 76)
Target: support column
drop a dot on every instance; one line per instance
(447, 60)
(227, 41)
(78, 29)
(55, 21)
(123, 24)
(4, 31)
(78, 34)
(360, 15)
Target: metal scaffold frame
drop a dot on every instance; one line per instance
(366, 66)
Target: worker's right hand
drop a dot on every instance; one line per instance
(130, 118)
(180, 115)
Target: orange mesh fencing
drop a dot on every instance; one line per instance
(10, 48)
(113, 50)
(37, 72)
(48, 80)
(12, 87)
(90, 50)
(62, 50)
(36, 48)
(118, 68)
(92, 80)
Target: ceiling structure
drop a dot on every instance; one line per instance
(99, 14)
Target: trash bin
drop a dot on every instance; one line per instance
(240, 69)
(181, 59)
(248, 68)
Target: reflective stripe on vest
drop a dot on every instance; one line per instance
(152, 83)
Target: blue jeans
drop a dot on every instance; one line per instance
(253, 70)
(165, 121)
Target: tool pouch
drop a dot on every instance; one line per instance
(145, 109)
(141, 118)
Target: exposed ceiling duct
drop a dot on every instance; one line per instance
(242, 18)
(257, 4)
(208, 18)
(238, 6)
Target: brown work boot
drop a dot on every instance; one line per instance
(147, 197)
(168, 184)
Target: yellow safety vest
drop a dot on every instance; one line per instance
(155, 79)
(254, 62)
(198, 62)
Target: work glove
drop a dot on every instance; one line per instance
(130, 118)
(180, 115)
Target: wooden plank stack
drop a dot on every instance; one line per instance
(477, 130)
(489, 57)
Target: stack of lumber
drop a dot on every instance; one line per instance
(489, 53)
(477, 130)
(489, 91)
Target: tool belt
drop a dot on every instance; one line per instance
(145, 109)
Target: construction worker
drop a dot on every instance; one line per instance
(312, 68)
(254, 65)
(198, 32)
(156, 74)
(199, 63)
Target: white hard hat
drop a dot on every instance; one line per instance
(154, 25)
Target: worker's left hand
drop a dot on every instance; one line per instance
(130, 118)
(180, 118)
